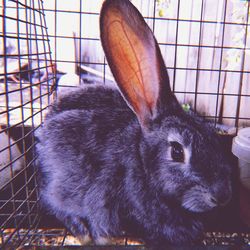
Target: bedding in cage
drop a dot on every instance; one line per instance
(205, 44)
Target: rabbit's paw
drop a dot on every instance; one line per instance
(77, 227)
(191, 234)
(102, 241)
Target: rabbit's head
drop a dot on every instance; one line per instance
(182, 155)
(186, 163)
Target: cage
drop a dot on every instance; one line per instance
(49, 47)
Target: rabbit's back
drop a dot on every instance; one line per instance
(89, 97)
(81, 147)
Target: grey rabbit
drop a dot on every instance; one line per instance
(130, 160)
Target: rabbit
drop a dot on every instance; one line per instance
(130, 160)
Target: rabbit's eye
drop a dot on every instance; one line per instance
(177, 152)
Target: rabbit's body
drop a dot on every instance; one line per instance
(148, 169)
(100, 171)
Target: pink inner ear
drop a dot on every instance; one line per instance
(131, 54)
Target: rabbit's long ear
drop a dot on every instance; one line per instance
(135, 60)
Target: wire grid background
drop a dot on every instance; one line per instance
(48, 47)
(24, 94)
(205, 44)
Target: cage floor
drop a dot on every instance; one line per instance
(61, 238)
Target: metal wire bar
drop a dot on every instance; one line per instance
(176, 48)
(241, 75)
(7, 105)
(169, 68)
(220, 69)
(46, 36)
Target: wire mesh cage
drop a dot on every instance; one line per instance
(49, 47)
(26, 79)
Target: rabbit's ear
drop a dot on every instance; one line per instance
(135, 60)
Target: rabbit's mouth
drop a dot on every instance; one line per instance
(198, 199)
